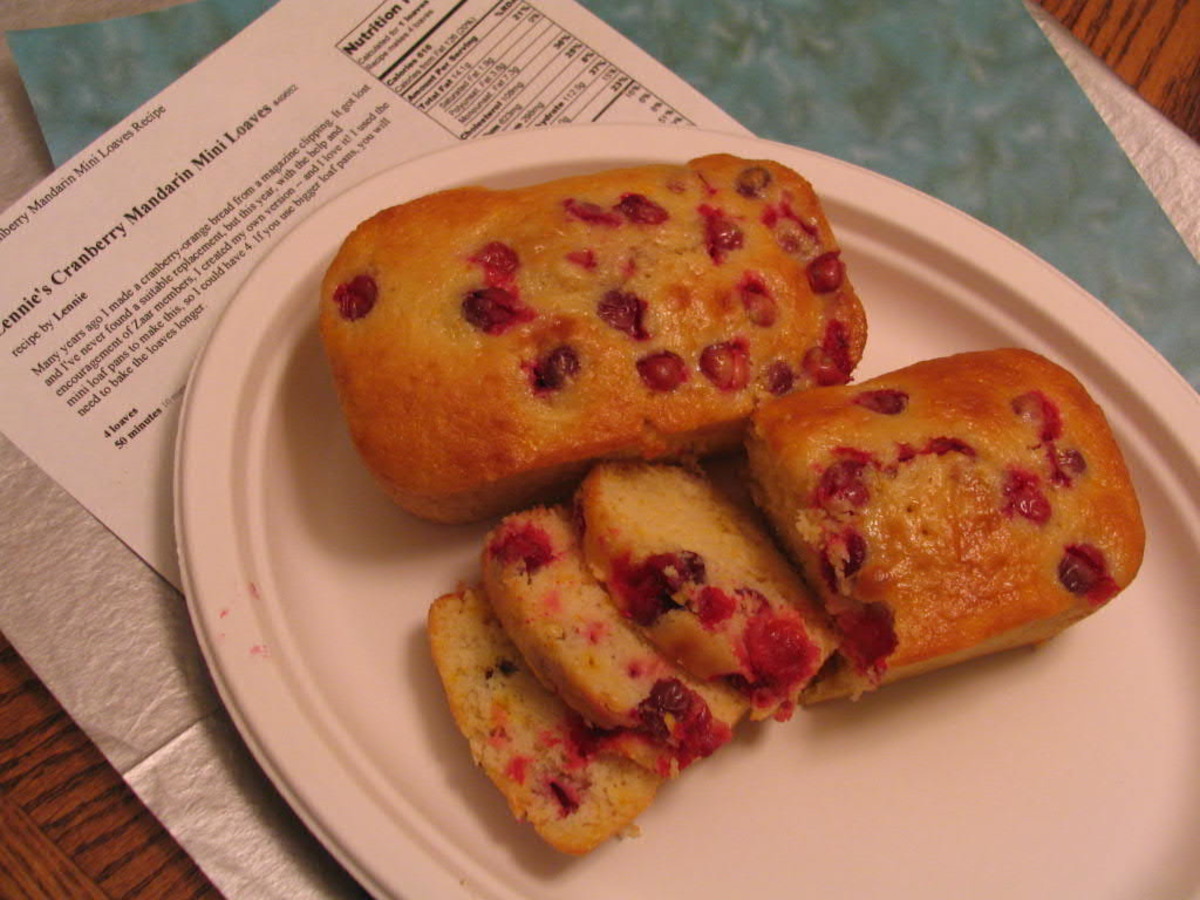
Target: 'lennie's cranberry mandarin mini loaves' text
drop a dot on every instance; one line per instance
(488, 345)
(950, 509)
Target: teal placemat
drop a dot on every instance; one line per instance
(963, 99)
(83, 79)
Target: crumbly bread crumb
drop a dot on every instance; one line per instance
(532, 747)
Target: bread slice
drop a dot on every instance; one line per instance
(575, 640)
(541, 756)
(702, 577)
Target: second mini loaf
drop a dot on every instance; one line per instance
(949, 509)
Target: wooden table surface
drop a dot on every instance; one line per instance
(1152, 45)
(69, 825)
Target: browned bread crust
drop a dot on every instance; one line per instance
(949, 509)
(486, 345)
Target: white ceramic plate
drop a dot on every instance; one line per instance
(1066, 772)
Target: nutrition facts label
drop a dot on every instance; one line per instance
(479, 68)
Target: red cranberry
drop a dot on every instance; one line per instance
(753, 181)
(940, 446)
(699, 734)
(592, 213)
(518, 768)
(782, 212)
(493, 310)
(761, 308)
(886, 401)
(779, 650)
(662, 371)
(1037, 409)
(684, 567)
(648, 588)
(566, 795)
(1023, 496)
(1084, 572)
(779, 378)
(642, 210)
(830, 363)
(856, 552)
(584, 740)
(869, 636)
(721, 234)
(525, 543)
(842, 482)
(499, 262)
(1065, 465)
(851, 554)
(624, 311)
(585, 259)
(673, 711)
(726, 365)
(822, 368)
(826, 272)
(356, 297)
(668, 697)
(552, 371)
(713, 606)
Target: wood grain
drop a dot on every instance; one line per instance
(1152, 45)
(69, 824)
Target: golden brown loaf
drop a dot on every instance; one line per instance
(573, 637)
(701, 576)
(949, 509)
(541, 756)
(487, 345)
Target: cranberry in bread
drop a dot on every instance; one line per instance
(543, 759)
(487, 345)
(950, 509)
(573, 638)
(701, 576)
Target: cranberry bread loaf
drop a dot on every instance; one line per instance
(946, 510)
(534, 749)
(573, 638)
(700, 574)
(486, 345)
